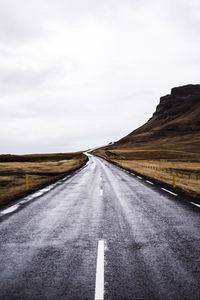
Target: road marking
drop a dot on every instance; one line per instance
(169, 192)
(100, 178)
(139, 177)
(101, 192)
(46, 189)
(99, 285)
(10, 209)
(195, 204)
(38, 194)
(149, 182)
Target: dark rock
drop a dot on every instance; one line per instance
(177, 114)
(186, 90)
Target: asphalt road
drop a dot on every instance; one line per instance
(151, 240)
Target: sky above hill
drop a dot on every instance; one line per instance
(82, 73)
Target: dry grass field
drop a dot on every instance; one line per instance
(187, 173)
(40, 169)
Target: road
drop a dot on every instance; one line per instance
(100, 232)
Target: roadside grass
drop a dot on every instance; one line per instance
(187, 173)
(40, 173)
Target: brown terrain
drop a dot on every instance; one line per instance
(41, 169)
(168, 144)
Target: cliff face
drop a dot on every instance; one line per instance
(177, 113)
(181, 108)
(175, 123)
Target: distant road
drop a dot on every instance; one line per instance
(102, 233)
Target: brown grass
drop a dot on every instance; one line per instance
(40, 174)
(187, 172)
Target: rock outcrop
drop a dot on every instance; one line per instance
(174, 125)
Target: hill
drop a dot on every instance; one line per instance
(166, 149)
(172, 132)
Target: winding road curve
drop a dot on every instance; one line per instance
(100, 233)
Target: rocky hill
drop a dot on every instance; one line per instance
(172, 132)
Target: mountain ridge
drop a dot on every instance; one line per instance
(174, 126)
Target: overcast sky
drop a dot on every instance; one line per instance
(75, 74)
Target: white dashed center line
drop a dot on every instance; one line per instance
(139, 177)
(101, 192)
(99, 286)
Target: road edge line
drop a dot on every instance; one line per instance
(169, 192)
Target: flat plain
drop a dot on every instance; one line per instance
(40, 169)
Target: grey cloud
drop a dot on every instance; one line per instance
(78, 74)
(186, 14)
(17, 79)
(25, 20)
(17, 22)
